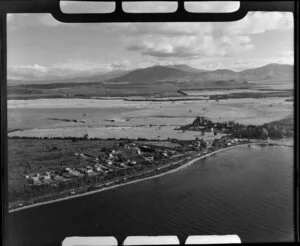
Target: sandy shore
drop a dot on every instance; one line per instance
(138, 180)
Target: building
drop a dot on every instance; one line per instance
(57, 177)
(131, 163)
(46, 177)
(73, 172)
(149, 158)
(35, 180)
(165, 154)
(147, 149)
(89, 171)
(98, 169)
(123, 165)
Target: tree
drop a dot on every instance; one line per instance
(264, 133)
(215, 133)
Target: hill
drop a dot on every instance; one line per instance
(270, 71)
(184, 73)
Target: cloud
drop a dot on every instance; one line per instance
(64, 70)
(235, 64)
(191, 46)
(164, 29)
(260, 22)
(286, 57)
(120, 65)
(195, 40)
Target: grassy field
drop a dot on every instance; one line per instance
(26, 156)
(107, 118)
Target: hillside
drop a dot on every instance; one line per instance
(151, 81)
(270, 71)
(184, 73)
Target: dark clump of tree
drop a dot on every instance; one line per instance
(272, 130)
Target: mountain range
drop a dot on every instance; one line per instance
(184, 73)
(176, 74)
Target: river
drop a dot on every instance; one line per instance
(246, 191)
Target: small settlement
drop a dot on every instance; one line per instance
(133, 154)
(126, 156)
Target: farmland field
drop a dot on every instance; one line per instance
(119, 118)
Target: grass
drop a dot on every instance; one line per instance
(38, 155)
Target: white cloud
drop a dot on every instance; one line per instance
(286, 57)
(163, 29)
(260, 22)
(191, 40)
(190, 46)
(63, 70)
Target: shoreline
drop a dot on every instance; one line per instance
(190, 162)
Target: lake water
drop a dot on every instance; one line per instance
(246, 191)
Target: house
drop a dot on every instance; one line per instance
(81, 169)
(165, 154)
(131, 163)
(74, 172)
(57, 177)
(149, 158)
(98, 169)
(208, 144)
(146, 149)
(88, 170)
(138, 150)
(35, 180)
(67, 175)
(123, 165)
(103, 167)
(46, 177)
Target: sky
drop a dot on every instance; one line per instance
(39, 47)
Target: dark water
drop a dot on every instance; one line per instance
(246, 191)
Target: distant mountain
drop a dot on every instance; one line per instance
(97, 77)
(172, 74)
(187, 68)
(101, 77)
(183, 73)
(155, 74)
(270, 71)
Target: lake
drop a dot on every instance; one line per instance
(246, 191)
